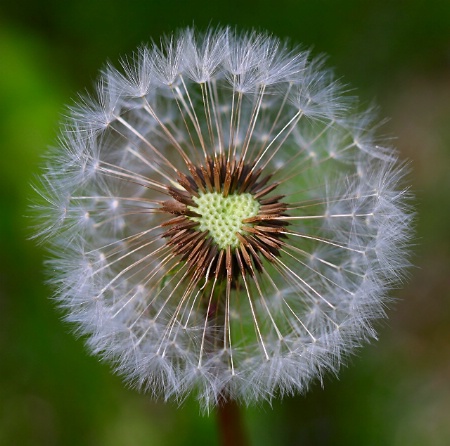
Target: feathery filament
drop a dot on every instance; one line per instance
(223, 220)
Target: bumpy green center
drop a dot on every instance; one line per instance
(222, 216)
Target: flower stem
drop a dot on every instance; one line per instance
(231, 429)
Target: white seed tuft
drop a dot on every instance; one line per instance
(294, 285)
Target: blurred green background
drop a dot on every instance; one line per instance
(395, 392)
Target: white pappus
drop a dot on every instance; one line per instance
(222, 220)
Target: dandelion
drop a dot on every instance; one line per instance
(222, 218)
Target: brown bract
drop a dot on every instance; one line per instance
(261, 235)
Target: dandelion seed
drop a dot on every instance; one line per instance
(223, 221)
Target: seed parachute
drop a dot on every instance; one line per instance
(222, 219)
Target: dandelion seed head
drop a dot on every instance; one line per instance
(223, 221)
